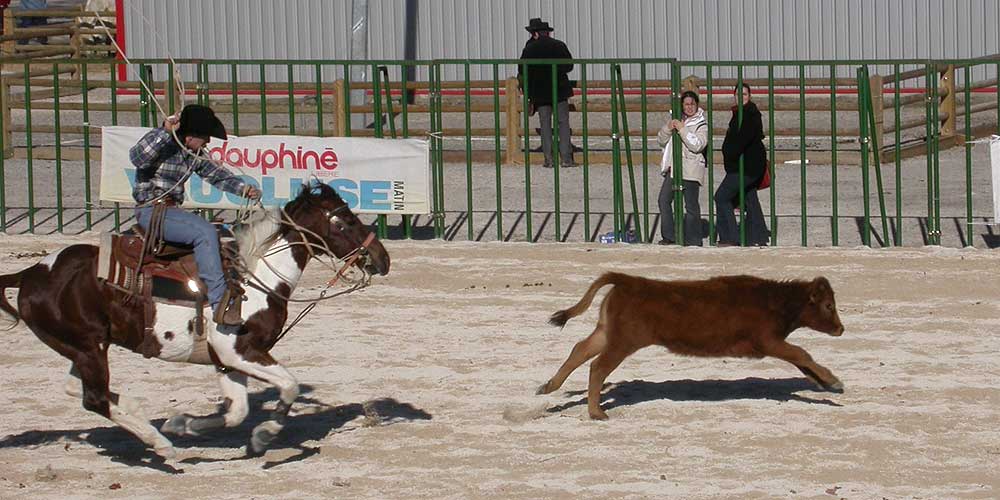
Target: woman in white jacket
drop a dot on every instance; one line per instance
(693, 132)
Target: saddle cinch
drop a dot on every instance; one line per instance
(162, 272)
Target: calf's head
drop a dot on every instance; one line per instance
(820, 313)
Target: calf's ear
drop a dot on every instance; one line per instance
(819, 288)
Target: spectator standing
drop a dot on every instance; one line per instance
(693, 133)
(543, 46)
(742, 139)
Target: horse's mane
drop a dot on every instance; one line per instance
(264, 227)
(257, 233)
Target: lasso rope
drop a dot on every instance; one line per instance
(244, 213)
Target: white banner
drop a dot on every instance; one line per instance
(995, 161)
(379, 176)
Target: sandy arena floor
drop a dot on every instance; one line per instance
(422, 386)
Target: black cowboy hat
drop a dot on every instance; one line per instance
(200, 121)
(536, 24)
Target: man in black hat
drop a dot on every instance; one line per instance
(162, 165)
(539, 88)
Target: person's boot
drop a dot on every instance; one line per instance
(229, 310)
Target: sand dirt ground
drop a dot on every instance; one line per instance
(422, 386)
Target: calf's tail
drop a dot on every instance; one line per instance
(559, 318)
(9, 281)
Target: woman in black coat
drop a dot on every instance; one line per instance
(746, 140)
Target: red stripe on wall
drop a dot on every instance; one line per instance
(120, 37)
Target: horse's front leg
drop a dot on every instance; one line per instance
(260, 365)
(234, 411)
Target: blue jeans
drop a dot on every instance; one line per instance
(727, 197)
(185, 228)
(692, 211)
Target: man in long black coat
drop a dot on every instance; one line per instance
(539, 88)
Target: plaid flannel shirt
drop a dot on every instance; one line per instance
(160, 163)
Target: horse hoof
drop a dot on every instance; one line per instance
(261, 437)
(178, 425)
(167, 452)
(837, 387)
(543, 389)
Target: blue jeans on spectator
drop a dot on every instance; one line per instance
(692, 212)
(727, 198)
(185, 228)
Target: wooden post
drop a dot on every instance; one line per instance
(9, 27)
(513, 121)
(947, 104)
(878, 109)
(76, 42)
(690, 83)
(338, 107)
(8, 138)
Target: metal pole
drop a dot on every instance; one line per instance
(586, 153)
(468, 150)
(557, 159)
(263, 101)
(27, 127)
(234, 89)
(834, 221)
(739, 123)
(804, 186)
(770, 133)
(87, 202)
(677, 172)
(291, 99)
(646, 236)
(496, 150)
(114, 121)
(615, 158)
(319, 99)
(863, 139)
(711, 157)
(58, 140)
(527, 151)
(968, 156)
(898, 161)
(628, 155)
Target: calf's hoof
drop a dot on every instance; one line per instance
(598, 414)
(543, 389)
(837, 386)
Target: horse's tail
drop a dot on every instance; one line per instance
(9, 281)
(559, 318)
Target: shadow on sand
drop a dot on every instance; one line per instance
(316, 421)
(639, 391)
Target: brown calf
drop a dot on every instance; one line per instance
(735, 316)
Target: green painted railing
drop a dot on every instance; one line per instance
(479, 124)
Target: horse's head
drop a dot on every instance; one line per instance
(321, 217)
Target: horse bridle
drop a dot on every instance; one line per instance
(359, 252)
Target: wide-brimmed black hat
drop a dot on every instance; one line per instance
(200, 121)
(536, 24)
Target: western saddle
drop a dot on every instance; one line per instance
(131, 262)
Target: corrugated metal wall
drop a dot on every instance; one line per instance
(459, 29)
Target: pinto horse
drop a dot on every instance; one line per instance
(79, 316)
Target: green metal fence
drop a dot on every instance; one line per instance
(830, 127)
